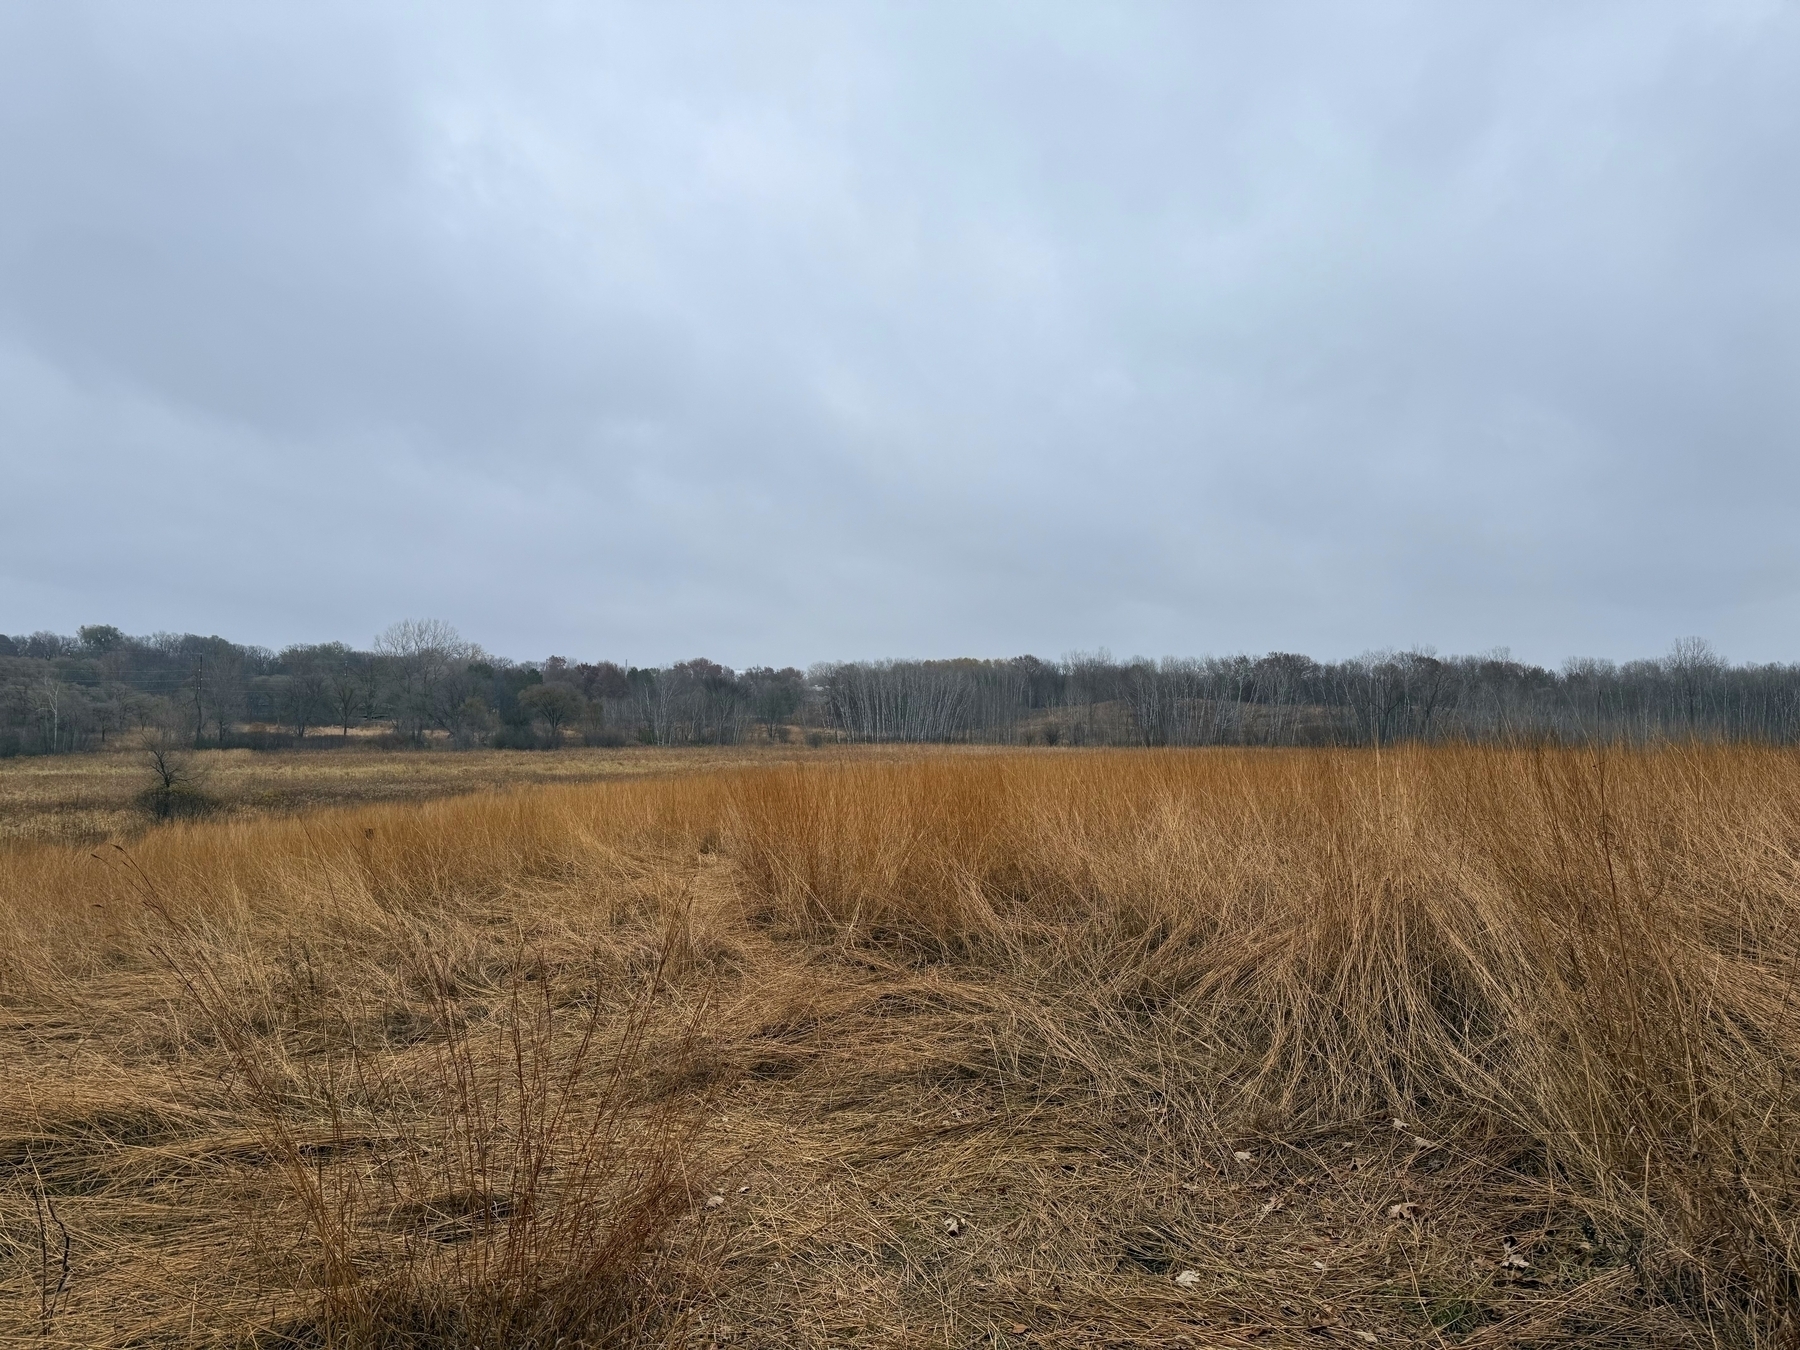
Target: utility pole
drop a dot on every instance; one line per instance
(199, 701)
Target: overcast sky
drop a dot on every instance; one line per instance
(785, 333)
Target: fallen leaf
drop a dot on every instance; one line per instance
(1269, 1208)
(1420, 1142)
(1406, 1209)
(953, 1226)
(1018, 1329)
(1398, 1124)
(714, 1201)
(1188, 1279)
(1366, 1337)
(1318, 1265)
(1243, 1155)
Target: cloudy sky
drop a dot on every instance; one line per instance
(791, 332)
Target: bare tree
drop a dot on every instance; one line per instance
(174, 783)
(554, 705)
(345, 683)
(775, 695)
(52, 693)
(1692, 664)
(308, 685)
(421, 655)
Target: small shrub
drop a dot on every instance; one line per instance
(174, 790)
(177, 801)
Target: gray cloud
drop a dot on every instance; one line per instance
(792, 332)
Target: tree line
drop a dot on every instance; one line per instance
(421, 683)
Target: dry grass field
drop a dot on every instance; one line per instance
(83, 799)
(1472, 1047)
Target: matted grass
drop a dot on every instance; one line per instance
(1456, 1045)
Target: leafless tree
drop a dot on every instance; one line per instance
(553, 704)
(346, 686)
(421, 655)
(1692, 664)
(52, 693)
(307, 691)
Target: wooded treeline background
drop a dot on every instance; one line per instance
(421, 683)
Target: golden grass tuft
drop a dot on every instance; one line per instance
(1473, 1045)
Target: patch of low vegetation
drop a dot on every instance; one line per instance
(1471, 1046)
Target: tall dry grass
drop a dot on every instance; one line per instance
(412, 1054)
(1583, 962)
(1481, 1043)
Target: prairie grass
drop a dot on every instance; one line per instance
(89, 798)
(1472, 1045)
